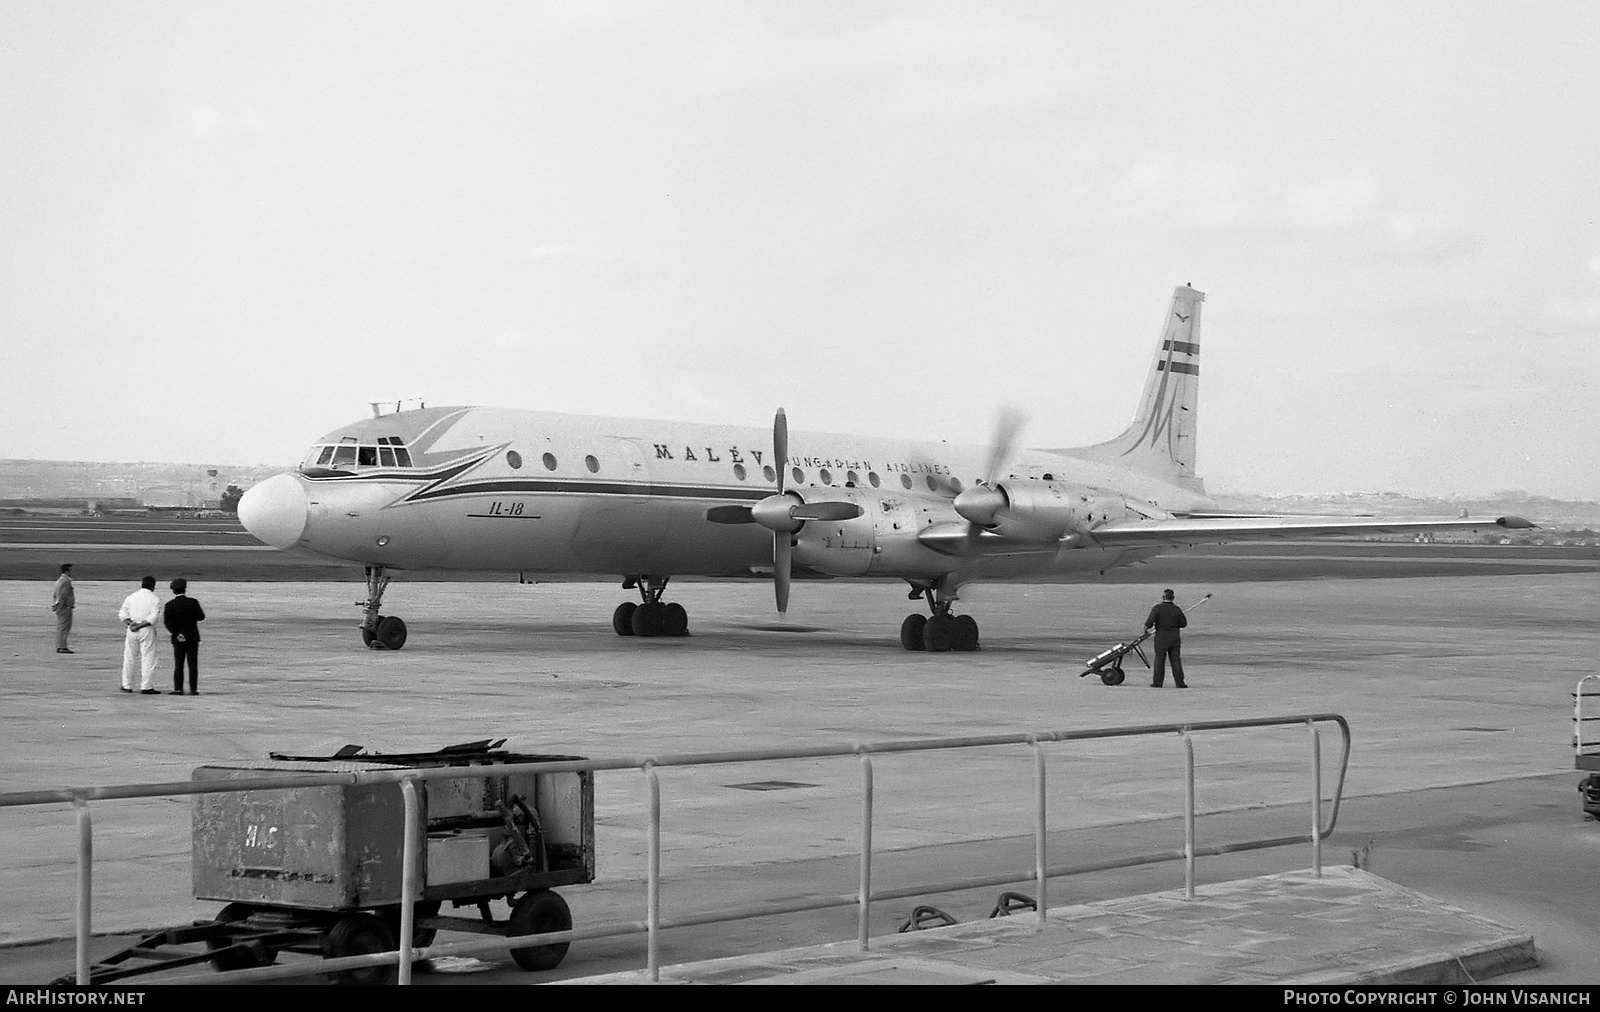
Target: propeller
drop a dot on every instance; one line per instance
(981, 504)
(783, 513)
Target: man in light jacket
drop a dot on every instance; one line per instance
(140, 612)
(62, 601)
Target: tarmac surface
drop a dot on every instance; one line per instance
(1447, 681)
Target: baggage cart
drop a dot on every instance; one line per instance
(317, 870)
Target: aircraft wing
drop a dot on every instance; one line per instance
(1215, 530)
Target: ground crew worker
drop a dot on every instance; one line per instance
(62, 600)
(140, 612)
(1166, 619)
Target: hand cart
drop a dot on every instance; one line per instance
(1108, 663)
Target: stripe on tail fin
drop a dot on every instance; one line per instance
(1161, 441)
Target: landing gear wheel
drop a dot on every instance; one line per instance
(369, 639)
(964, 634)
(622, 618)
(647, 620)
(939, 634)
(237, 959)
(360, 935)
(391, 633)
(911, 631)
(674, 620)
(1112, 675)
(534, 914)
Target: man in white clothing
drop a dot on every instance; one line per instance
(140, 612)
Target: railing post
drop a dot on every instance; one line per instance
(85, 884)
(1188, 816)
(864, 896)
(410, 881)
(1040, 828)
(1316, 798)
(653, 889)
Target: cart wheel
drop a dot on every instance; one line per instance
(534, 914)
(360, 935)
(421, 938)
(1112, 675)
(237, 959)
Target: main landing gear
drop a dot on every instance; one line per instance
(379, 632)
(650, 617)
(940, 631)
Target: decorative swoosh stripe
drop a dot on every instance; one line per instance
(1181, 347)
(1188, 368)
(548, 486)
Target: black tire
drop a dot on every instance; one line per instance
(391, 632)
(911, 631)
(237, 959)
(622, 618)
(1112, 675)
(938, 634)
(647, 620)
(360, 935)
(369, 639)
(534, 914)
(674, 620)
(421, 938)
(964, 633)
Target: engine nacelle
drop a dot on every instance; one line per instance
(881, 541)
(1039, 510)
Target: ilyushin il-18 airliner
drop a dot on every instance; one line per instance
(473, 488)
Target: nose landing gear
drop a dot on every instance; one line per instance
(942, 630)
(379, 632)
(652, 616)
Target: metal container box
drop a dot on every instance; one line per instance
(339, 847)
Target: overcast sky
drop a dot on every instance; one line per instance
(226, 227)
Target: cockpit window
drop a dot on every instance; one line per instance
(349, 453)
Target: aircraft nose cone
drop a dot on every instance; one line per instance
(275, 511)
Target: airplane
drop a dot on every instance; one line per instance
(479, 488)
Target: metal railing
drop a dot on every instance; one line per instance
(1582, 746)
(654, 921)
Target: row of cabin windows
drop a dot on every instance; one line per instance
(851, 478)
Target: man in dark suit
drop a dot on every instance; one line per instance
(182, 617)
(1166, 619)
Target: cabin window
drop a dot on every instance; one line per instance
(514, 459)
(873, 479)
(798, 475)
(325, 456)
(738, 471)
(344, 455)
(905, 479)
(826, 476)
(367, 456)
(592, 464)
(549, 461)
(933, 486)
(386, 456)
(768, 473)
(955, 484)
(851, 478)
(402, 456)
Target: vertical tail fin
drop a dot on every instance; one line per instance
(1161, 440)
